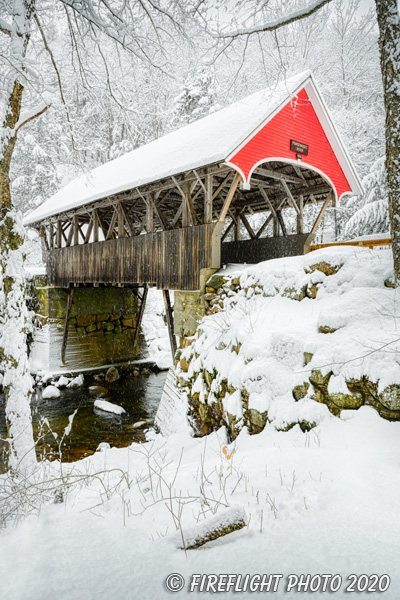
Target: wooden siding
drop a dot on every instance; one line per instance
(168, 259)
(297, 120)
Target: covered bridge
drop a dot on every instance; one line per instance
(163, 212)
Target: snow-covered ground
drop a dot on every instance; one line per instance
(321, 502)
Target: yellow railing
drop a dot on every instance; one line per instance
(364, 243)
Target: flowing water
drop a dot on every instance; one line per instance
(139, 396)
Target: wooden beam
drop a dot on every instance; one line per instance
(161, 217)
(185, 208)
(236, 222)
(281, 222)
(103, 225)
(96, 225)
(136, 193)
(75, 227)
(66, 323)
(248, 226)
(199, 180)
(89, 230)
(276, 175)
(176, 182)
(300, 223)
(113, 221)
(128, 221)
(321, 213)
(192, 211)
(264, 225)
(51, 235)
(140, 316)
(177, 215)
(70, 233)
(268, 201)
(149, 215)
(58, 234)
(121, 221)
(227, 230)
(229, 198)
(290, 197)
(208, 199)
(222, 184)
(170, 322)
(63, 230)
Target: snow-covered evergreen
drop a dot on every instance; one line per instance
(197, 97)
(371, 210)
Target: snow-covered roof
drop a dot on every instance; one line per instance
(204, 142)
(201, 143)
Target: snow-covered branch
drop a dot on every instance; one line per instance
(31, 114)
(277, 23)
(5, 27)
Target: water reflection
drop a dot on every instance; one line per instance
(139, 396)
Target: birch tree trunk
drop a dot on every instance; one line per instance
(389, 47)
(17, 382)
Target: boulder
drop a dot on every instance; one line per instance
(300, 391)
(77, 382)
(51, 391)
(325, 268)
(62, 382)
(216, 281)
(98, 390)
(112, 375)
(390, 397)
(109, 407)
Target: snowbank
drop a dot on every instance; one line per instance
(292, 340)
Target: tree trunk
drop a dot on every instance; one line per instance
(17, 382)
(389, 47)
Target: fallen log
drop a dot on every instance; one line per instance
(224, 522)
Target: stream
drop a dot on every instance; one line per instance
(139, 396)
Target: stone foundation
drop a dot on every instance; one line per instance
(101, 331)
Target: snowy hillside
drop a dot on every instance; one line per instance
(294, 339)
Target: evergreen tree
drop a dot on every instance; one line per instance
(197, 97)
(372, 210)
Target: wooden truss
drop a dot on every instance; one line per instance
(197, 197)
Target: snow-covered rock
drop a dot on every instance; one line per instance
(77, 382)
(51, 391)
(103, 446)
(294, 340)
(139, 424)
(62, 382)
(109, 407)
